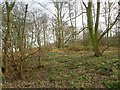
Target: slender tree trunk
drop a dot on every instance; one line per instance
(71, 22)
(44, 31)
(59, 23)
(83, 26)
(75, 21)
(22, 45)
(108, 24)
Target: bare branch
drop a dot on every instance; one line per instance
(108, 29)
(46, 8)
(74, 33)
(84, 4)
(73, 17)
(12, 5)
(30, 55)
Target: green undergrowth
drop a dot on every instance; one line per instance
(75, 70)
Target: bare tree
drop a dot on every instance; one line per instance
(93, 32)
(9, 8)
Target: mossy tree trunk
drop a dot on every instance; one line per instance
(93, 32)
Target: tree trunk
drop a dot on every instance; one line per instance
(97, 51)
(44, 32)
(22, 46)
(7, 34)
(93, 32)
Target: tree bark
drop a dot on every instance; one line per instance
(93, 32)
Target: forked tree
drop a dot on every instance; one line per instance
(93, 31)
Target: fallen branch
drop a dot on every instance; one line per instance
(106, 48)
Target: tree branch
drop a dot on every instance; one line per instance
(84, 4)
(12, 5)
(30, 55)
(46, 8)
(73, 18)
(108, 29)
(74, 33)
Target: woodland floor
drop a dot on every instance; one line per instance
(71, 69)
